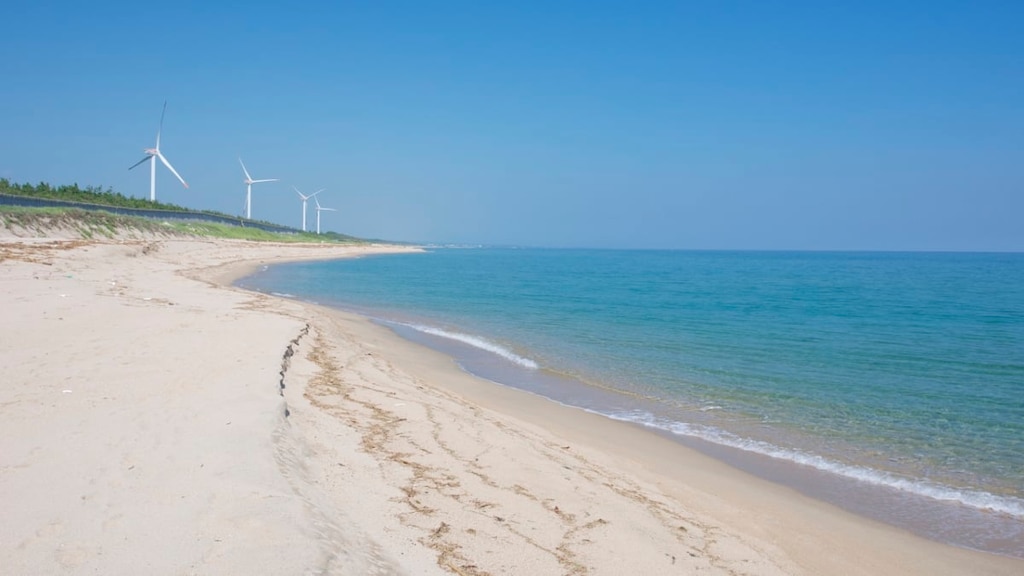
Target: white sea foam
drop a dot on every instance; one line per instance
(282, 295)
(973, 498)
(476, 342)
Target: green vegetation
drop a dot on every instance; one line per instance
(216, 230)
(95, 224)
(87, 195)
(100, 197)
(89, 224)
(100, 224)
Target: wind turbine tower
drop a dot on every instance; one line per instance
(304, 199)
(152, 154)
(248, 189)
(320, 209)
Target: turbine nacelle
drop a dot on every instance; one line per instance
(307, 196)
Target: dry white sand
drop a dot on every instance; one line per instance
(147, 429)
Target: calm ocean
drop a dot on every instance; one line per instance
(891, 384)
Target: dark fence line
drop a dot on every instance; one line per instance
(29, 201)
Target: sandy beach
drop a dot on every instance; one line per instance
(157, 420)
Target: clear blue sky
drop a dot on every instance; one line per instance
(706, 125)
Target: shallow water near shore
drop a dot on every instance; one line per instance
(890, 384)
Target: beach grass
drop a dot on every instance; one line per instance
(99, 224)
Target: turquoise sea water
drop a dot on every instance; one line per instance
(891, 384)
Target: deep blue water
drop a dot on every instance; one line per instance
(901, 373)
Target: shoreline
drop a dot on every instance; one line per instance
(961, 518)
(715, 493)
(391, 459)
(882, 502)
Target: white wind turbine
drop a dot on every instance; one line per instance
(304, 199)
(248, 188)
(152, 154)
(320, 209)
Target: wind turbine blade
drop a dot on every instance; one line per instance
(265, 180)
(247, 177)
(161, 129)
(317, 200)
(319, 191)
(148, 156)
(329, 209)
(171, 168)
